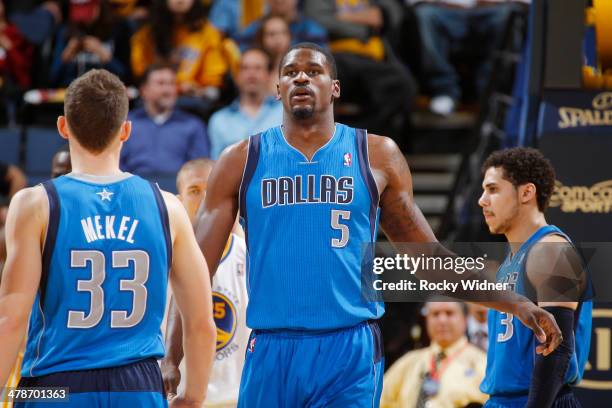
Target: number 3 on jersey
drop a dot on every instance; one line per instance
(120, 259)
(336, 215)
(507, 335)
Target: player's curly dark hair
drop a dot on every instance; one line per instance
(525, 165)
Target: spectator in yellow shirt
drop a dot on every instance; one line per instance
(447, 374)
(179, 33)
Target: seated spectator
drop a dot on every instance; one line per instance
(15, 64)
(180, 33)
(302, 29)
(253, 111)
(448, 26)
(369, 73)
(445, 374)
(15, 54)
(230, 16)
(163, 137)
(92, 38)
(134, 11)
(252, 10)
(36, 20)
(225, 16)
(273, 37)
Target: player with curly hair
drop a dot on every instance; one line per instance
(543, 265)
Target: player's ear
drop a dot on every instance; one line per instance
(278, 95)
(62, 127)
(336, 88)
(125, 131)
(527, 192)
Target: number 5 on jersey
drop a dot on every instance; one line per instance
(336, 216)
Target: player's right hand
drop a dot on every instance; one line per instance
(543, 324)
(171, 376)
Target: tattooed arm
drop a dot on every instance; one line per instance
(400, 218)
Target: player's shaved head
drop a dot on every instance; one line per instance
(191, 183)
(329, 58)
(95, 106)
(195, 164)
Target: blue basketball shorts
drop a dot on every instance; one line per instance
(135, 385)
(496, 401)
(341, 368)
(565, 399)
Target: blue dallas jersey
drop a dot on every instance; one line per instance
(306, 222)
(511, 353)
(104, 278)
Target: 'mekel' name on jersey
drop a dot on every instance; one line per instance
(293, 190)
(94, 228)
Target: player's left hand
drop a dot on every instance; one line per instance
(543, 325)
(171, 377)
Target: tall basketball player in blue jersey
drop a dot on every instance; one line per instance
(541, 262)
(311, 193)
(89, 256)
